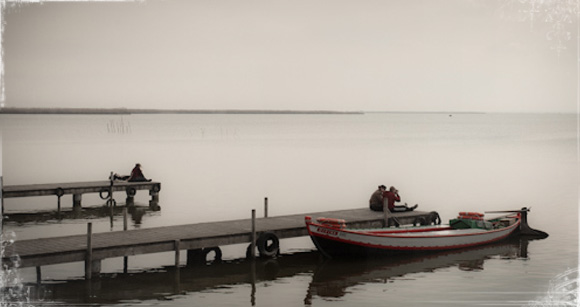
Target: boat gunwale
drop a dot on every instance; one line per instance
(407, 248)
(372, 234)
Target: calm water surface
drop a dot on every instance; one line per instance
(220, 167)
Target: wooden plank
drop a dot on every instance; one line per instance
(37, 252)
(11, 191)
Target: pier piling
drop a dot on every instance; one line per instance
(154, 202)
(38, 275)
(89, 253)
(253, 241)
(77, 198)
(177, 254)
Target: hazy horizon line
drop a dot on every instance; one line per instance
(128, 111)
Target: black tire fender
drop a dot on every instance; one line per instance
(268, 244)
(435, 218)
(103, 190)
(131, 191)
(216, 250)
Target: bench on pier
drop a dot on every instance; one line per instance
(77, 189)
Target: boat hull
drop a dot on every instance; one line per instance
(333, 241)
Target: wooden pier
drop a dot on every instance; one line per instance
(77, 189)
(198, 239)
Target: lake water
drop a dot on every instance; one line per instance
(220, 167)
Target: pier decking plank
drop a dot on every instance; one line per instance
(10, 191)
(45, 251)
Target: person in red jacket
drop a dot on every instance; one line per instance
(392, 196)
(136, 175)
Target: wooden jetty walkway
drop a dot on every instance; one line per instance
(77, 189)
(198, 239)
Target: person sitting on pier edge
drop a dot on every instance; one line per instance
(392, 196)
(376, 201)
(136, 175)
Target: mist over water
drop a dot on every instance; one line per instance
(220, 167)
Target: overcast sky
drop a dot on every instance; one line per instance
(384, 55)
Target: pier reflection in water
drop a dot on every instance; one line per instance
(330, 279)
(136, 213)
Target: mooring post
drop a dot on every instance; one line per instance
(89, 254)
(177, 272)
(386, 214)
(253, 243)
(91, 265)
(111, 180)
(125, 258)
(111, 202)
(388, 217)
(266, 207)
(1, 217)
(1, 198)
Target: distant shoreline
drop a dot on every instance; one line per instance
(124, 111)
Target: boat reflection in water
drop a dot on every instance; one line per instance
(330, 278)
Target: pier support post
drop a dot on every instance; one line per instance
(154, 202)
(77, 200)
(177, 272)
(89, 253)
(130, 201)
(92, 266)
(253, 243)
(1, 199)
(125, 258)
(38, 275)
(177, 255)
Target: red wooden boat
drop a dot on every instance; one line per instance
(333, 238)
